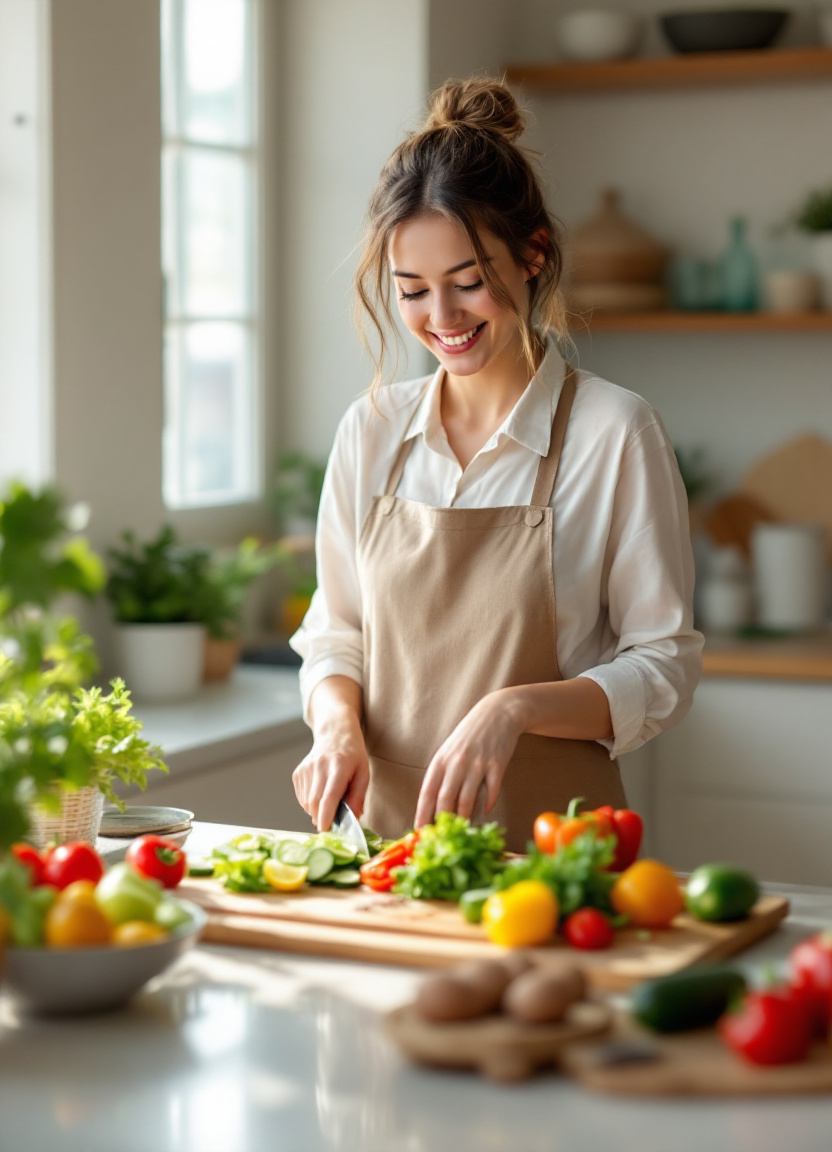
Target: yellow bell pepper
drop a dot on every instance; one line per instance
(523, 915)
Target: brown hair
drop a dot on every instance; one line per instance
(464, 165)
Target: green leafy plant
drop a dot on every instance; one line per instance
(576, 873)
(815, 215)
(228, 580)
(695, 476)
(451, 857)
(160, 582)
(297, 487)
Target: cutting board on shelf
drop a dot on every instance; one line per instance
(386, 929)
(794, 482)
(687, 1064)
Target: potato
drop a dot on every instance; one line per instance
(490, 977)
(539, 997)
(443, 999)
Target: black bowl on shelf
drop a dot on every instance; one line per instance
(723, 29)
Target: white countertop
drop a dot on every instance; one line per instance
(238, 1050)
(258, 708)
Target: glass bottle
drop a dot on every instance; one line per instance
(739, 277)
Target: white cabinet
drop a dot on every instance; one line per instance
(747, 778)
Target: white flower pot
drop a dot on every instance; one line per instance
(161, 662)
(822, 245)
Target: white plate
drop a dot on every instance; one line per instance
(138, 820)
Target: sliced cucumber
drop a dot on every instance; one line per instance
(295, 852)
(345, 878)
(320, 863)
(201, 867)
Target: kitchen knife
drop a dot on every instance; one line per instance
(347, 827)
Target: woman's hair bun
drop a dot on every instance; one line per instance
(475, 103)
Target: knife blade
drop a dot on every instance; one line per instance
(347, 827)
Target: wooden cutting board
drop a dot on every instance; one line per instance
(385, 929)
(690, 1064)
(795, 482)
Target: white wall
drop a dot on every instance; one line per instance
(354, 78)
(25, 365)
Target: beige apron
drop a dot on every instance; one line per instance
(458, 602)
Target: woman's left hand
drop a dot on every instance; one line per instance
(476, 752)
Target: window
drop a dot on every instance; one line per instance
(210, 182)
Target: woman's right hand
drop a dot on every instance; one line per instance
(336, 768)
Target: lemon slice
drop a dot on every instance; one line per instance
(285, 877)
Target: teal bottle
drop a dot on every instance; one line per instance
(738, 273)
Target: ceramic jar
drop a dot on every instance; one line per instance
(791, 291)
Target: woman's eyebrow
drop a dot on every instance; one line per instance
(450, 272)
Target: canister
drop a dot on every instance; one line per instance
(790, 576)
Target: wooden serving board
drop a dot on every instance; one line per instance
(495, 1045)
(691, 1064)
(385, 929)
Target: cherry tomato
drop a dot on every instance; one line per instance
(157, 859)
(545, 831)
(588, 929)
(649, 893)
(769, 1027)
(72, 861)
(33, 860)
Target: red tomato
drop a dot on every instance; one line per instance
(70, 862)
(769, 1027)
(33, 860)
(588, 929)
(810, 973)
(158, 859)
(545, 831)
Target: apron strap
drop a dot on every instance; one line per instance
(547, 471)
(398, 466)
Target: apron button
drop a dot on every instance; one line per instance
(534, 517)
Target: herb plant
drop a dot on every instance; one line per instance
(576, 873)
(161, 582)
(816, 212)
(228, 581)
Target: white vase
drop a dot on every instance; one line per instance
(161, 663)
(79, 818)
(822, 245)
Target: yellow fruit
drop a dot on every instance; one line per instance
(133, 932)
(649, 893)
(78, 890)
(75, 923)
(284, 877)
(521, 916)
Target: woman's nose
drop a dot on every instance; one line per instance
(446, 311)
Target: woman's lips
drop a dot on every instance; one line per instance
(453, 349)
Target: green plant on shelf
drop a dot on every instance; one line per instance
(160, 582)
(815, 215)
(296, 492)
(229, 579)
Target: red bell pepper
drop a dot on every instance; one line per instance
(810, 974)
(628, 828)
(769, 1027)
(378, 872)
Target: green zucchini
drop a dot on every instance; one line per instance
(690, 999)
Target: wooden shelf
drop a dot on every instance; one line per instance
(668, 321)
(807, 658)
(683, 71)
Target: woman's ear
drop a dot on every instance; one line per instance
(536, 247)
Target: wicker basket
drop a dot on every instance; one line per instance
(78, 819)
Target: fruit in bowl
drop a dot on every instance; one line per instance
(86, 945)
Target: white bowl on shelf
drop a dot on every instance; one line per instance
(598, 34)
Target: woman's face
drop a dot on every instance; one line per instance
(443, 300)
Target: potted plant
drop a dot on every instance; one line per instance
(60, 744)
(815, 217)
(229, 578)
(296, 493)
(158, 591)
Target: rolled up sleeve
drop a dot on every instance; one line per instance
(657, 658)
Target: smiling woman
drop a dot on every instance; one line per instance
(504, 566)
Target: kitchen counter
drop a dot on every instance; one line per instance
(771, 658)
(236, 1050)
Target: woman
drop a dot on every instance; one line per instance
(504, 564)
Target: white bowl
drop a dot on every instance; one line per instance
(598, 34)
(66, 980)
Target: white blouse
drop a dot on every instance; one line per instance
(622, 556)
